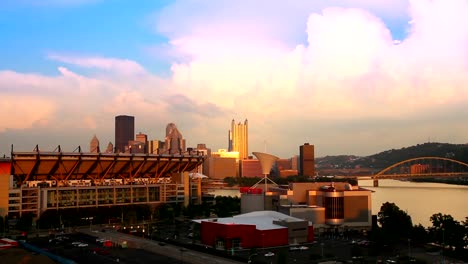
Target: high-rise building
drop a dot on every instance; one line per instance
(124, 132)
(155, 147)
(307, 160)
(239, 139)
(174, 143)
(140, 145)
(94, 145)
(110, 148)
(143, 138)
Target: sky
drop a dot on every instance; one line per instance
(348, 76)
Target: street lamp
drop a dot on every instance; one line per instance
(321, 245)
(263, 240)
(409, 247)
(182, 254)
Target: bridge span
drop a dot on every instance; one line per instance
(421, 167)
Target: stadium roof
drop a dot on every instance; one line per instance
(40, 166)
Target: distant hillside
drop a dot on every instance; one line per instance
(386, 158)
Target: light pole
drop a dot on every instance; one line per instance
(321, 245)
(409, 247)
(263, 240)
(182, 254)
(443, 245)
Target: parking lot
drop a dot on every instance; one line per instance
(84, 248)
(105, 246)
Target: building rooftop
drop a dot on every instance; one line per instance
(263, 220)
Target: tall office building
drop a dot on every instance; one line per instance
(94, 145)
(110, 148)
(307, 160)
(174, 142)
(124, 132)
(239, 139)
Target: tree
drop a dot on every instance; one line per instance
(447, 231)
(395, 223)
(2, 224)
(25, 222)
(465, 225)
(226, 206)
(419, 234)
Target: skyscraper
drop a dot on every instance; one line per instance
(239, 139)
(174, 142)
(307, 160)
(124, 132)
(94, 145)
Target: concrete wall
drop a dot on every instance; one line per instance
(220, 168)
(252, 203)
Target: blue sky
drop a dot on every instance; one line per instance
(106, 28)
(350, 76)
(118, 28)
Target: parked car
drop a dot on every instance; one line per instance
(269, 254)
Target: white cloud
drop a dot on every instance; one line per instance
(303, 72)
(350, 68)
(121, 66)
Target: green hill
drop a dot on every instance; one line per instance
(387, 158)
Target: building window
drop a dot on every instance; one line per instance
(334, 207)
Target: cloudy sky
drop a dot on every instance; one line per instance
(349, 76)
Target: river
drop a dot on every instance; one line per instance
(419, 200)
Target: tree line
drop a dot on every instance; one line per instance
(395, 226)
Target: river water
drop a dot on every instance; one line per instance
(419, 200)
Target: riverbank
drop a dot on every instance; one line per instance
(453, 181)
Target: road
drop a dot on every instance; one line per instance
(183, 254)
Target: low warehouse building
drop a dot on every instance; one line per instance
(255, 230)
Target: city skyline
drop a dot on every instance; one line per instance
(349, 77)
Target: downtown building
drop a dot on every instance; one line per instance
(307, 160)
(34, 182)
(327, 205)
(238, 140)
(124, 132)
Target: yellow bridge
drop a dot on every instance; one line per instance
(422, 167)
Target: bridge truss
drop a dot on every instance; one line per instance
(424, 167)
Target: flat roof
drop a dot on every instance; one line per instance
(263, 220)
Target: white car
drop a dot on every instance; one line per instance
(304, 248)
(269, 254)
(82, 245)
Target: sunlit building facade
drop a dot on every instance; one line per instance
(174, 142)
(239, 139)
(94, 145)
(327, 205)
(307, 160)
